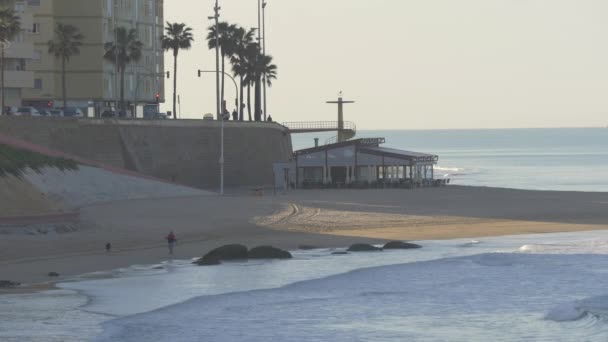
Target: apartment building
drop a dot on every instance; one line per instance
(92, 82)
(17, 52)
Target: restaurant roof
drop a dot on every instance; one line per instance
(362, 142)
(372, 146)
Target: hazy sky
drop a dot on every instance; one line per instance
(420, 64)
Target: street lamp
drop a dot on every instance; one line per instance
(264, 3)
(217, 90)
(114, 23)
(236, 87)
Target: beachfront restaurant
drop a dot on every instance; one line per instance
(363, 163)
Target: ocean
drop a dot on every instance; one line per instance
(564, 159)
(548, 287)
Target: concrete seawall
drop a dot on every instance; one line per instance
(183, 151)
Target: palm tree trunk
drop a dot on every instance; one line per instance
(2, 80)
(122, 88)
(258, 98)
(241, 109)
(175, 85)
(63, 87)
(249, 100)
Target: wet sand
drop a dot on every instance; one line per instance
(322, 218)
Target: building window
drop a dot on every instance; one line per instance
(37, 56)
(38, 83)
(36, 28)
(20, 65)
(33, 2)
(20, 7)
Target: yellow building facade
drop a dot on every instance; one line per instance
(17, 53)
(91, 81)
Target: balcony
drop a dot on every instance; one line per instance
(19, 79)
(22, 50)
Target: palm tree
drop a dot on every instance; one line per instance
(67, 43)
(125, 50)
(178, 36)
(226, 45)
(263, 69)
(242, 40)
(10, 26)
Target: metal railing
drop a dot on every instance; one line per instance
(318, 126)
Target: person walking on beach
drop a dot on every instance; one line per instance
(108, 247)
(171, 240)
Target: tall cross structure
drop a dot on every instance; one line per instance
(341, 102)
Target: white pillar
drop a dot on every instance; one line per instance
(324, 175)
(347, 174)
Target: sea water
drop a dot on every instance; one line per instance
(549, 287)
(568, 159)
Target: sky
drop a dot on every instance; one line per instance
(415, 64)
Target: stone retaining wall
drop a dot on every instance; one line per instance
(183, 151)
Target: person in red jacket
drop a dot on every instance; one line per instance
(171, 240)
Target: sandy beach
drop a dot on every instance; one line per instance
(322, 218)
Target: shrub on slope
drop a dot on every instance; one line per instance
(14, 161)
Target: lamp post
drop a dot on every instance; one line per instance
(220, 117)
(116, 86)
(264, 3)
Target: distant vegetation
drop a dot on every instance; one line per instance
(15, 161)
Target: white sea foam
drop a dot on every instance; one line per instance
(591, 246)
(449, 169)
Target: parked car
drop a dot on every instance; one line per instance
(27, 111)
(10, 110)
(208, 116)
(56, 112)
(112, 114)
(44, 111)
(160, 116)
(108, 114)
(73, 112)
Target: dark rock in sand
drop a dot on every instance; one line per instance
(363, 247)
(268, 252)
(228, 252)
(339, 253)
(7, 284)
(53, 274)
(400, 245)
(307, 247)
